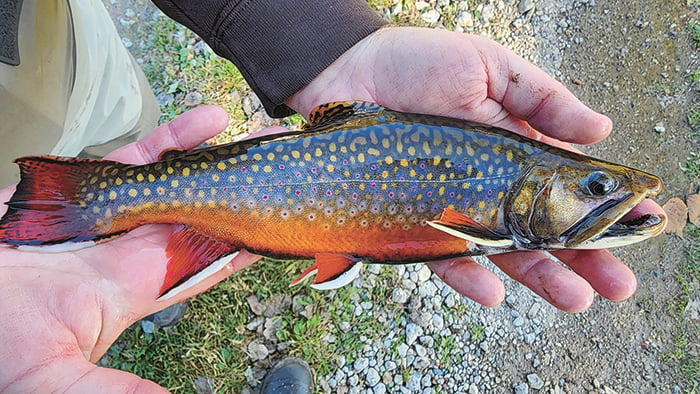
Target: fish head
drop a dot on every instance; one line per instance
(581, 204)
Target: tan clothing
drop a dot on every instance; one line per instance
(75, 89)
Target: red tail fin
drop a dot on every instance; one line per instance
(45, 208)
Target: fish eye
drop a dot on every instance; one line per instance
(600, 183)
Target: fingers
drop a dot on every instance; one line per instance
(184, 132)
(548, 279)
(605, 273)
(471, 280)
(528, 93)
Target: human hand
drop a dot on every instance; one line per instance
(59, 312)
(464, 76)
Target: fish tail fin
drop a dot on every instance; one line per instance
(45, 208)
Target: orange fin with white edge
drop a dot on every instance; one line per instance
(461, 226)
(332, 271)
(193, 257)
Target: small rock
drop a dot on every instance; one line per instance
(127, 42)
(692, 309)
(413, 331)
(257, 350)
(659, 128)
(414, 383)
(465, 19)
(424, 273)
(400, 296)
(272, 325)
(193, 98)
(344, 326)
(430, 16)
(372, 377)
(204, 385)
(361, 364)
(402, 349)
(525, 6)
(521, 388)
(534, 381)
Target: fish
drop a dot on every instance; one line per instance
(361, 183)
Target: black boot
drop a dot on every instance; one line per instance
(289, 376)
(165, 318)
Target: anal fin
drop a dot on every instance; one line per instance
(332, 271)
(193, 256)
(461, 226)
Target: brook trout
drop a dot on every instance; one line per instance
(362, 183)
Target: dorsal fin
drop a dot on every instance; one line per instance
(341, 111)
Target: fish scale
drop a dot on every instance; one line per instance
(362, 183)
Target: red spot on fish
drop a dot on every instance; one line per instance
(345, 162)
(281, 166)
(373, 166)
(232, 178)
(265, 197)
(243, 169)
(429, 194)
(298, 174)
(297, 192)
(280, 183)
(391, 194)
(329, 193)
(354, 196)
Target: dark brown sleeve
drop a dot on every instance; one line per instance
(279, 45)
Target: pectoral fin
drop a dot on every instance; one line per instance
(461, 226)
(193, 257)
(332, 271)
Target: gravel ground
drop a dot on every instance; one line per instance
(612, 55)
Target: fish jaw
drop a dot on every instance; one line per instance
(609, 224)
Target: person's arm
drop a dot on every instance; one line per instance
(278, 45)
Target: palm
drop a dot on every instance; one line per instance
(73, 305)
(457, 75)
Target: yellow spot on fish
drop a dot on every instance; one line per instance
(133, 192)
(412, 172)
(267, 169)
(500, 195)
(257, 156)
(186, 171)
(496, 149)
(221, 165)
(203, 165)
(330, 168)
(373, 151)
(103, 184)
(160, 190)
(146, 191)
(112, 195)
(211, 204)
(215, 177)
(441, 190)
(318, 152)
(295, 154)
(385, 174)
(170, 170)
(388, 159)
(403, 163)
(442, 178)
(307, 156)
(175, 203)
(151, 178)
(200, 193)
(139, 177)
(175, 183)
(101, 197)
(484, 156)
(429, 176)
(270, 156)
(361, 157)
(509, 155)
(93, 180)
(249, 180)
(386, 143)
(118, 181)
(163, 177)
(482, 205)
(479, 174)
(436, 160)
(411, 150)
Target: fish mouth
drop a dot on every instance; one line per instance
(608, 226)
